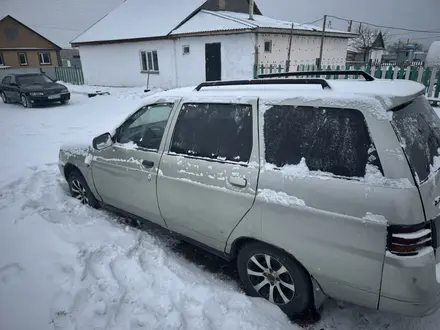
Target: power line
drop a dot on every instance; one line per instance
(387, 27)
(310, 23)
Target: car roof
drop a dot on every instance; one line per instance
(390, 93)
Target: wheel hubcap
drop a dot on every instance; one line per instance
(24, 101)
(79, 192)
(271, 279)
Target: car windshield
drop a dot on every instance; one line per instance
(418, 129)
(33, 79)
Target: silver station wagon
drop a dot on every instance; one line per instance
(316, 187)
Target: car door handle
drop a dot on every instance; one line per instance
(237, 181)
(148, 163)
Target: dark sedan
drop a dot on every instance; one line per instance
(32, 89)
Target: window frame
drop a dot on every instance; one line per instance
(40, 57)
(379, 164)
(254, 128)
(2, 60)
(270, 46)
(183, 50)
(149, 61)
(117, 134)
(19, 59)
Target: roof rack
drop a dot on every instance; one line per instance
(306, 81)
(364, 74)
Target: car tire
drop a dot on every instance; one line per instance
(64, 101)
(80, 190)
(25, 101)
(4, 98)
(296, 295)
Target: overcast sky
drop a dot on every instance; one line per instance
(62, 20)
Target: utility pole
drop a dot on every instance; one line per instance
(290, 49)
(322, 41)
(350, 24)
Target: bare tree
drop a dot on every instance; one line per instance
(369, 39)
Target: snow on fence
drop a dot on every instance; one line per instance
(430, 77)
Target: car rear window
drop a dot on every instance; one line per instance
(330, 140)
(418, 129)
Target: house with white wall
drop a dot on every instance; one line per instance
(172, 43)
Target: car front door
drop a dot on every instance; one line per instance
(208, 175)
(125, 173)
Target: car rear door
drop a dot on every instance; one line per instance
(206, 182)
(125, 173)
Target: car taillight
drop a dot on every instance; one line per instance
(409, 240)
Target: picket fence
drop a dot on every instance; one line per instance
(430, 77)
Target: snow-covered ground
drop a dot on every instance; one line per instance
(66, 266)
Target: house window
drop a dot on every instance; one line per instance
(44, 58)
(186, 50)
(22, 58)
(268, 46)
(11, 33)
(2, 61)
(149, 61)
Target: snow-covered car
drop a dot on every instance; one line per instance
(317, 188)
(32, 89)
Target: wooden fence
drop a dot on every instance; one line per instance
(430, 77)
(70, 75)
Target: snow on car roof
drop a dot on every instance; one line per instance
(374, 97)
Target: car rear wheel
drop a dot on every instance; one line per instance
(80, 190)
(272, 274)
(4, 98)
(25, 102)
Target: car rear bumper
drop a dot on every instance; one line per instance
(411, 285)
(49, 99)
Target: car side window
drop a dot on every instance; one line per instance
(6, 80)
(146, 126)
(329, 139)
(214, 130)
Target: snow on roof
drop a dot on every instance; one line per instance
(433, 56)
(206, 20)
(140, 19)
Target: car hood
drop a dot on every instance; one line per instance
(42, 87)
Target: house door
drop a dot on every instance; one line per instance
(213, 61)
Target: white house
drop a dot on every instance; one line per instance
(179, 43)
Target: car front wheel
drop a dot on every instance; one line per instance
(272, 274)
(4, 98)
(25, 102)
(80, 190)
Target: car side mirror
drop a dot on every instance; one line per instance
(102, 141)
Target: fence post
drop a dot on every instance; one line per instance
(425, 78)
(255, 71)
(262, 68)
(389, 74)
(402, 73)
(437, 89)
(279, 68)
(413, 73)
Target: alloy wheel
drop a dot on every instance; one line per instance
(24, 101)
(79, 191)
(271, 279)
